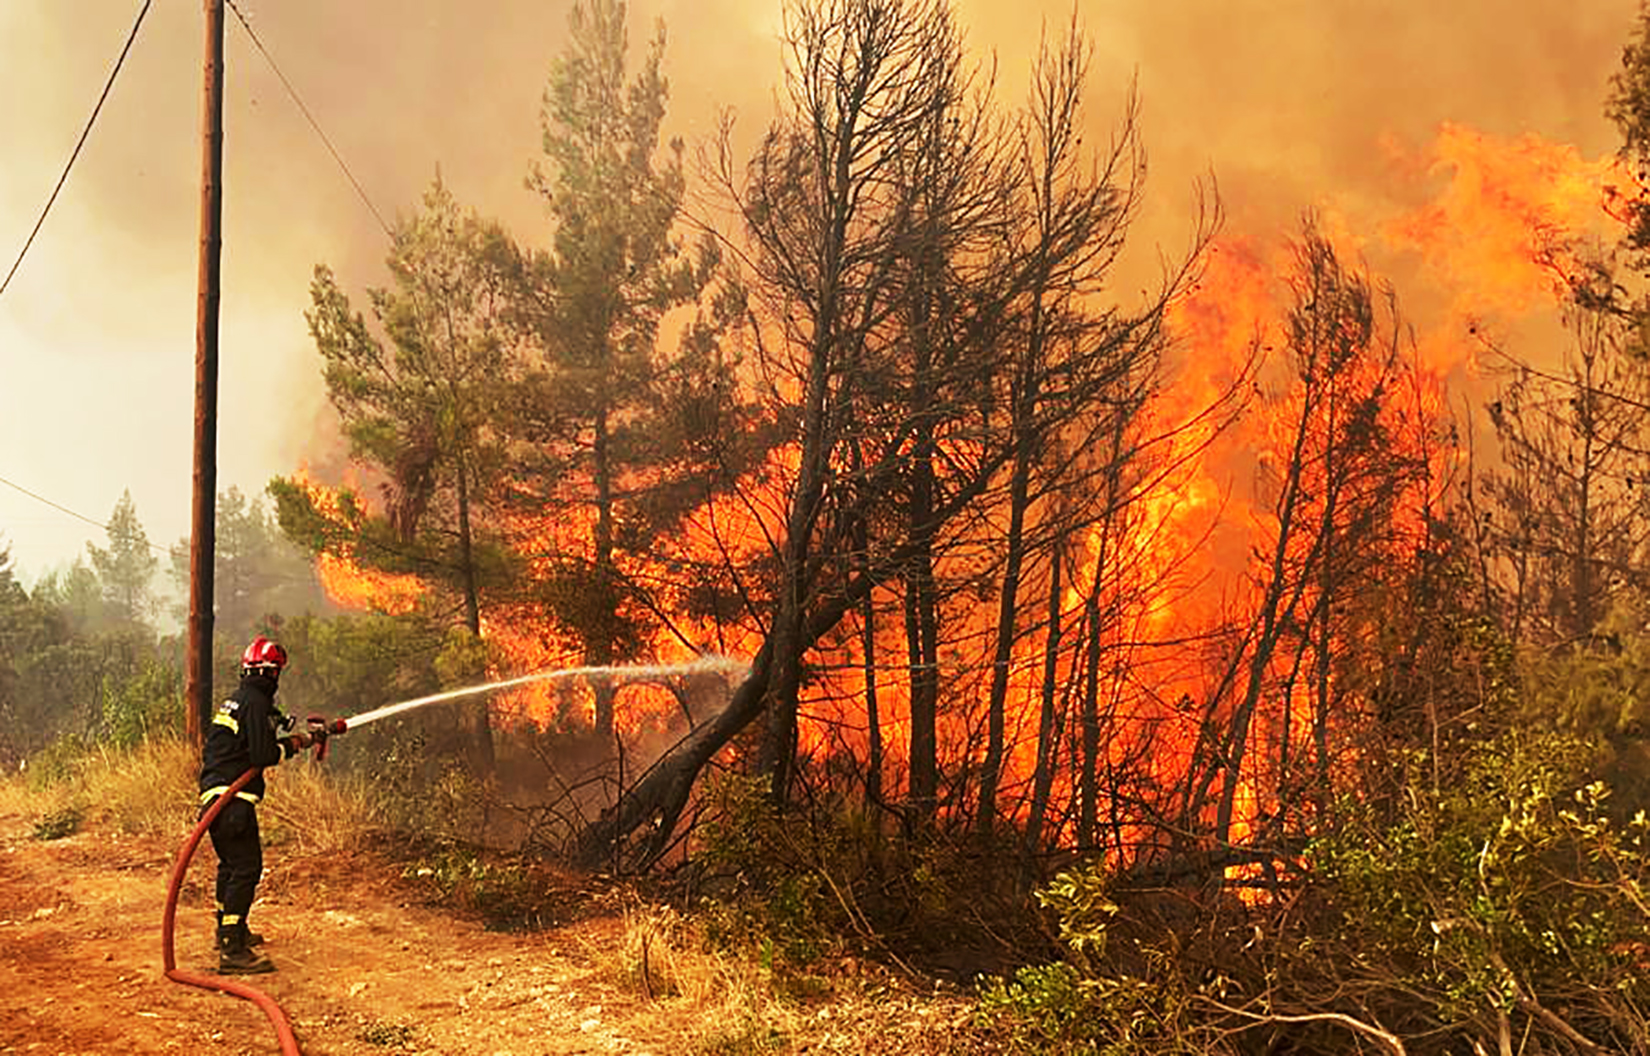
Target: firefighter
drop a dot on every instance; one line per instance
(248, 731)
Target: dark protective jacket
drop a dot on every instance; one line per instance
(245, 732)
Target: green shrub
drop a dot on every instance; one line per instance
(57, 762)
(1083, 1004)
(1080, 899)
(146, 702)
(1509, 888)
(56, 824)
(775, 900)
(1056, 1010)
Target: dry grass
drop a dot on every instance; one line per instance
(317, 812)
(736, 1005)
(151, 790)
(662, 958)
(16, 797)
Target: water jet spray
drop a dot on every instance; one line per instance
(709, 663)
(319, 729)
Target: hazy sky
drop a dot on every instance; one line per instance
(1290, 103)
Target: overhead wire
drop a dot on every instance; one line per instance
(37, 497)
(81, 142)
(95, 523)
(298, 101)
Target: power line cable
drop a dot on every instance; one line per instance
(293, 93)
(56, 506)
(110, 83)
(157, 547)
(37, 497)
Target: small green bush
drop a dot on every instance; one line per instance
(56, 763)
(1080, 898)
(1510, 886)
(1056, 1010)
(59, 823)
(145, 703)
(776, 901)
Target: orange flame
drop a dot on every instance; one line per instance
(346, 582)
(1182, 563)
(1497, 231)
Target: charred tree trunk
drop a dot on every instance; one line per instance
(1584, 607)
(922, 650)
(873, 712)
(868, 653)
(1047, 730)
(599, 644)
(1059, 78)
(786, 640)
(1325, 608)
(1007, 627)
(479, 719)
(1088, 778)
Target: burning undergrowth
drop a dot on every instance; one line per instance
(1306, 421)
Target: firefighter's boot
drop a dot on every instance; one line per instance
(236, 956)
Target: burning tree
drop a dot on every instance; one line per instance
(1351, 447)
(420, 397)
(930, 292)
(619, 438)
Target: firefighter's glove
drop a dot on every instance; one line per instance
(294, 743)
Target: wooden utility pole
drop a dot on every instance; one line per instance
(202, 535)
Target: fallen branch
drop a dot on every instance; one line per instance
(1530, 1004)
(1391, 1041)
(1205, 863)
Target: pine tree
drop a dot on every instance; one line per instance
(621, 435)
(421, 397)
(128, 566)
(257, 571)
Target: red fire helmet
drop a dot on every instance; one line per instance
(264, 654)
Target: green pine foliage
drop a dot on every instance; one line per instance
(126, 568)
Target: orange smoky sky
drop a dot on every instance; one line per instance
(1290, 104)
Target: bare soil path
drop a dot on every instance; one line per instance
(364, 968)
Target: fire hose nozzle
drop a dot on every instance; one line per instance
(320, 729)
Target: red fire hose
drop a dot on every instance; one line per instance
(277, 1018)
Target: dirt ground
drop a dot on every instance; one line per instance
(366, 967)
(362, 969)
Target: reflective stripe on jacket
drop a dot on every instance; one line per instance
(243, 734)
